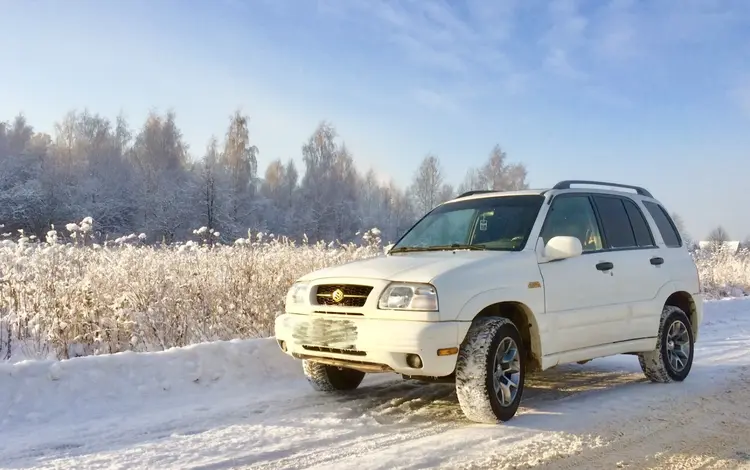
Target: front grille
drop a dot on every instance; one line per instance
(354, 295)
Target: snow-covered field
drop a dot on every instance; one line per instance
(242, 404)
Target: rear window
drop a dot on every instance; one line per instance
(617, 229)
(665, 224)
(640, 226)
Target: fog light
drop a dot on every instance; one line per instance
(414, 361)
(282, 345)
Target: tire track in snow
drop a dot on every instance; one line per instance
(707, 431)
(408, 412)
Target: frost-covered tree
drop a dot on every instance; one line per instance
(329, 187)
(446, 193)
(496, 174)
(401, 213)
(144, 180)
(279, 191)
(210, 181)
(239, 160)
(160, 157)
(4, 143)
(19, 135)
(718, 235)
(680, 224)
(427, 188)
(373, 205)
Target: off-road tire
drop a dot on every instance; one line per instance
(655, 364)
(325, 378)
(474, 369)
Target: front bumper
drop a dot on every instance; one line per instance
(370, 344)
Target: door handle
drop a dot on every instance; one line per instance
(604, 266)
(656, 260)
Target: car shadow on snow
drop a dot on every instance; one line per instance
(410, 402)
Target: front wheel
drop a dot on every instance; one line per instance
(325, 378)
(672, 359)
(490, 370)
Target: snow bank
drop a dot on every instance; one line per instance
(37, 391)
(198, 377)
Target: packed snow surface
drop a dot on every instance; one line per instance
(243, 404)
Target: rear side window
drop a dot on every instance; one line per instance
(638, 222)
(615, 221)
(665, 224)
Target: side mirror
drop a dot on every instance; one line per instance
(562, 247)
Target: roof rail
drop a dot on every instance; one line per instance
(475, 191)
(566, 185)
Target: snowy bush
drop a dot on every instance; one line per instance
(68, 298)
(73, 295)
(723, 273)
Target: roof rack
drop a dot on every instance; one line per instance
(566, 185)
(475, 191)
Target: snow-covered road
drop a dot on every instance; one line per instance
(243, 404)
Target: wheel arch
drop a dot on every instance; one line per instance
(523, 317)
(686, 303)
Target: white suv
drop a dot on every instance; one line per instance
(492, 285)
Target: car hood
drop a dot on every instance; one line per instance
(406, 267)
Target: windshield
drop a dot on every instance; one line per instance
(493, 223)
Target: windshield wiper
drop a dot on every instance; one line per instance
(455, 246)
(459, 246)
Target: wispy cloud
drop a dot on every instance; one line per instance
(691, 21)
(564, 37)
(617, 37)
(435, 100)
(503, 46)
(558, 63)
(434, 36)
(740, 95)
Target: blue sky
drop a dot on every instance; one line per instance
(656, 93)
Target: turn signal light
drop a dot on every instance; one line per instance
(447, 351)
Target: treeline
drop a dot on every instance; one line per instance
(146, 180)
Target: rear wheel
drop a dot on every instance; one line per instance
(325, 378)
(490, 370)
(672, 359)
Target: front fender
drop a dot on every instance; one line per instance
(532, 298)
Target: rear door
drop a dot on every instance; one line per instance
(677, 259)
(638, 265)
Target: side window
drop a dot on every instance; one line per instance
(615, 222)
(665, 225)
(573, 216)
(640, 227)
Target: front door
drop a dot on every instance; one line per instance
(581, 293)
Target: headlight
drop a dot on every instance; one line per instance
(297, 293)
(405, 296)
